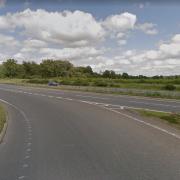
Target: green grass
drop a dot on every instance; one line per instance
(2, 117)
(135, 87)
(172, 118)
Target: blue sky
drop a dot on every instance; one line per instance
(146, 45)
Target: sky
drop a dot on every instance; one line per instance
(133, 36)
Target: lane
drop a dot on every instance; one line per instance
(129, 101)
(71, 140)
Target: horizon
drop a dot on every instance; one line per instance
(130, 37)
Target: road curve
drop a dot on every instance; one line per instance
(54, 135)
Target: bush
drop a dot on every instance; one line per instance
(100, 83)
(80, 82)
(169, 87)
(38, 81)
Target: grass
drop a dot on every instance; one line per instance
(2, 117)
(135, 87)
(172, 118)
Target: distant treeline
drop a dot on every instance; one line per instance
(58, 68)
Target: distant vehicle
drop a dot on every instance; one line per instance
(52, 83)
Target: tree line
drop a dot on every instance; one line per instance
(58, 68)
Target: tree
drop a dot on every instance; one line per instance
(125, 75)
(31, 69)
(51, 68)
(10, 68)
(109, 74)
(106, 74)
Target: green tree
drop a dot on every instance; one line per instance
(10, 68)
(31, 69)
(125, 75)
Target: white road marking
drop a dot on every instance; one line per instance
(27, 157)
(50, 96)
(137, 120)
(112, 109)
(147, 103)
(95, 97)
(28, 150)
(25, 165)
(21, 177)
(146, 123)
(69, 99)
(59, 97)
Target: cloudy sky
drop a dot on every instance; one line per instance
(137, 37)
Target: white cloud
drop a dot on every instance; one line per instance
(70, 53)
(78, 36)
(57, 27)
(31, 45)
(120, 22)
(148, 28)
(8, 41)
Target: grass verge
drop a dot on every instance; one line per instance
(171, 118)
(2, 117)
(137, 90)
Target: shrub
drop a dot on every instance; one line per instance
(169, 87)
(100, 83)
(80, 82)
(38, 81)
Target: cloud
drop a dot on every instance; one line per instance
(8, 41)
(84, 40)
(31, 45)
(78, 28)
(2, 3)
(70, 53)
(120, 22)
(68, 28)
(119, 25)
(148, 28)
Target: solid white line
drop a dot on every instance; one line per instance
(95, 97)
(135, 119)
(154, 104)
(146, 123)
(116, 106)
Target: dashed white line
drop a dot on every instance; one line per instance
(28, 150)
(21, 177)
(50, 96)
(27, 157)
(25, 165)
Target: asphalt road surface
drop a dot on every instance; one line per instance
(64, 135)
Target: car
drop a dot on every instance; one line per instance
(53, 83)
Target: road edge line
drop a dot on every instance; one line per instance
(3, 132)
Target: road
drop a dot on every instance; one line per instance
(54, 135)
